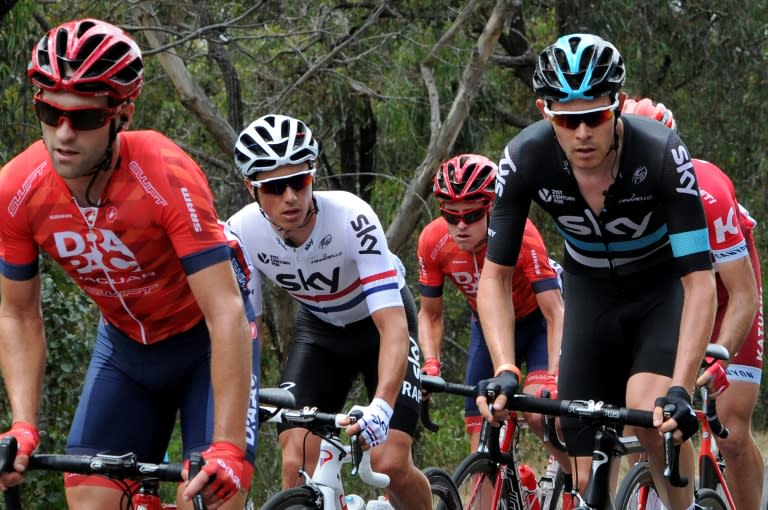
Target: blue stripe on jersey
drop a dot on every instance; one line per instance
(352, 302)
(19, 272)
(616, 246)
(206, 258)
(693, 241)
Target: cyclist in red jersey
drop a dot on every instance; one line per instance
(453, 246)
(739, 319)
(131, 218)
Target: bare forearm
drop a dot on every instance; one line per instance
(231, 370)
(431, 330)
(393, 360)
(22, 361)
(696, 325)
(497, 318)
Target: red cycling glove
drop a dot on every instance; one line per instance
(227, 468)
(27, 437)
(431, 366)
(550, 383)
(719, 381)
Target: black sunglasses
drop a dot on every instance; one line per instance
(468, 217)
(81, 119)
(278, 185)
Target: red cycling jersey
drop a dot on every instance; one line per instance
(156, 223)
(730, 237)
(439, 256)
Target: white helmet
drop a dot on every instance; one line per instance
(273, 141)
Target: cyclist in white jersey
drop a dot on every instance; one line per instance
(327, 249)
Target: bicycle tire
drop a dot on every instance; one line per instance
(709, 499)
(295, 498)
(445, 496)
(475, 478)
(637, 490)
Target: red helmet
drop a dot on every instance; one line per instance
(466, 177)
(88, 57)
(645, 108)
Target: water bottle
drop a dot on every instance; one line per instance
(547, 482)
(529, 486)
(354, 502)
(379, 504)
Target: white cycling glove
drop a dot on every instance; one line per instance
(374, 425)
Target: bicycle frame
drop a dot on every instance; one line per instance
(710, 473)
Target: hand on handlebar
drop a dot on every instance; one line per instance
(492, 394)
(714, 376)
(682, 420)
(225, 472)
(550, 384)
(27, 439)
(373, 426)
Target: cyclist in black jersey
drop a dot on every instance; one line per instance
(639, 287)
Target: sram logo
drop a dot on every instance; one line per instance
(309, 281)
(98, 250)
(587, 224)
(363, 228)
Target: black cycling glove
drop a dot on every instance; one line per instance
(683, 413)
(505, 383)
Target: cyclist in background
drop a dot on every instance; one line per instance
(327, 249)
(739, 319)
(131, 218)
(453, 246)
(638, 281)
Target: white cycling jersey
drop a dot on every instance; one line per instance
(342, 273)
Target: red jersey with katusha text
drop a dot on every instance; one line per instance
(439, 257)
(730, 237)
(156, 223)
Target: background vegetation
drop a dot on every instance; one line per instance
(390, 89)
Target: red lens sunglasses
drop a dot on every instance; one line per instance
(80, 118)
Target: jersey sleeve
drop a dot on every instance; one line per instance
(535, 262)
(18, 249)
(190, 217)
(684, 211)
(368, 246)
(430, 275)
(510, 208)
(721, 209)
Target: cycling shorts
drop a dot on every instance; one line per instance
(613, 329)
(321, 376)
(530, 347)
(133, 393)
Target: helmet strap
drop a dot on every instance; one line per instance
(104, 166)
(284, 231)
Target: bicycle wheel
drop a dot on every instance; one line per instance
(295, 498)
(710, 500)
(637, 490)
(445, 496)
(475, 478)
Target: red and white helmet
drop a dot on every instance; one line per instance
(645, 108)
(88, 57)
(466, 177)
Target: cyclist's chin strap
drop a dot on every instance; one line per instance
(284, 231)
(105, 165)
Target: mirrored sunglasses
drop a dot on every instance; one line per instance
(278, 185)
(468, 217)
(592, 118)
(80, 118)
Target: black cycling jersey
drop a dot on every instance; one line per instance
(652, 218)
